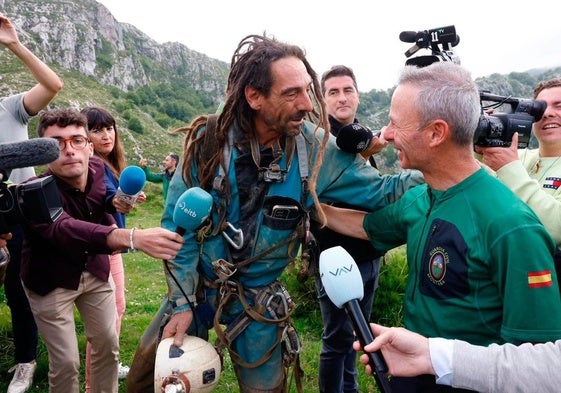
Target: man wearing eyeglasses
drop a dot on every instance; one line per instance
(66, 264)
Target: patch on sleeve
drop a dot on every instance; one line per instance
(540, 279)
(552, 182)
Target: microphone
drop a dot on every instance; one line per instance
(408, 36)
(343, 285)
(354, 138)
(192, 209)
(131, 182)
(36, 151)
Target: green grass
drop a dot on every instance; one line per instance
(145, 288)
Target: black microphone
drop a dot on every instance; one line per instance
(36, 151)
(343, 285)
(354, 138)
(408, 36)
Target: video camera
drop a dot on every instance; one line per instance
(37, 200)
(496, 129)
(445, 36)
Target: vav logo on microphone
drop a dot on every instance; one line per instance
(341, 270)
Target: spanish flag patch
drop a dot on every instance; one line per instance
(540, 279)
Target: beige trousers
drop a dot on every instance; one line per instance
(54, 315)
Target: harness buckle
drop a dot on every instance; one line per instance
(223, 269)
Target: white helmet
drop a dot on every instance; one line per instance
(192, 368)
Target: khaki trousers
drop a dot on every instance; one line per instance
(118, 274)
(54, 315)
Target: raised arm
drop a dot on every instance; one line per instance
(49, 84)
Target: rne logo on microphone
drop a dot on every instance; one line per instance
(341, 270)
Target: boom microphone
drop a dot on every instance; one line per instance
(343, 285)
(131, 182)
(192, 209)
(36, 151)
(354, 138)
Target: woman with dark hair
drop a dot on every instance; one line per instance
(104, 135)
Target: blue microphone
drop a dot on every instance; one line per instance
(343, 285)
(192, 209)
(131, 182)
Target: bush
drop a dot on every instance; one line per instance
(135, 125)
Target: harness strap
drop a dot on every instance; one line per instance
(227, 339)
(219, 271)
(303, 166)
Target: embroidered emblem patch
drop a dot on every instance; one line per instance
(552, 182)
(437, 265)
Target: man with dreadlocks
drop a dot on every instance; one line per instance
(261, 160)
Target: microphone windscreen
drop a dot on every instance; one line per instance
(132, 180)
(36, 151)
(340, 276)
(354, 138)
(192, 208)
(456, 41)
(408, 36)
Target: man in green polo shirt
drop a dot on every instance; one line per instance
(480, 261)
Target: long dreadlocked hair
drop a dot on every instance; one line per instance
(251, 66)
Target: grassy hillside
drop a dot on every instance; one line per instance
(144, 116)
(145, 287)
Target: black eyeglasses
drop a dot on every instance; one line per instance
(77, 142)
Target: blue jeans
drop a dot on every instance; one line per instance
(337, 360)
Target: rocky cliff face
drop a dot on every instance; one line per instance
(82, 35)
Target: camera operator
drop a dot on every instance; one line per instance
(15, 113)
(534, 174)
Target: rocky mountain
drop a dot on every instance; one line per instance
(151, 88)
(84, 36)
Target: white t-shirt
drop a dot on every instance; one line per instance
(13, 128)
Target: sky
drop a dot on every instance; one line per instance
(495, 36)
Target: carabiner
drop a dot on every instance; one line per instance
(238, 235)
